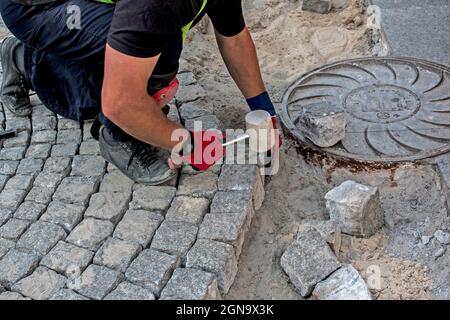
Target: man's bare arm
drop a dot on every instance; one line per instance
(239, 54)
(126, 103)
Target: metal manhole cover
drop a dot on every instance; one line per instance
(397, 109)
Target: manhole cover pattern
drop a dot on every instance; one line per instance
(397, 109)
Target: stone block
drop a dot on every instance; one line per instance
(16, 265)
(41, 237)
(65, 258)
(190, 93)
(191, 284)
(68, 124)
(152, 269)
(323, 124)
(8, 167)
(5, 245)
(47, 136)
(39, 151)
(44, 124)
(203, 185)
(12, 296)
(317, 6)
(40, 195)
(188, 209)
(88, 166)
(308, 260)
(236, 177)
(344, 284)
(96, 282)
(214, 257)
(19, 182)
(174, 237)
(116, 181)
(3, 180)
(64, 150)
(30, 166)
(13, 229)
(91, 233)
(138, 226)
(13, 153)
(117, 254)
(63, 214)
(234, 202)
(128, 291)
(48, 180)
(442, 237)
(29, 210)
(5, 214)
(196, 109)
(58, 165)
(42, 284)
(69, 136)
(152, 198)
(21, 139)
(355, 208)
(90, 147)
(207, 122)
(225, 227)
(108, 206)
(76, 190)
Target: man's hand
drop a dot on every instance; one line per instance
(125, 100)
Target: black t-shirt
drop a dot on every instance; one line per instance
(145, 28)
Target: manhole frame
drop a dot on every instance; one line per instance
(304, 142)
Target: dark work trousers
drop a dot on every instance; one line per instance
(65, 64)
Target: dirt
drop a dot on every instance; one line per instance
(291, 42)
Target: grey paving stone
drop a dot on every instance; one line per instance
(236, 177)
(117, 254)
(42, 284)
(187, 169)
(44, 124)
(318, 6)
(203, 123)
(186, 78)
(64, 150)
(21, 139)
(308, 260)
(13, 229)
(3, 180)
(68, 124)
(8, 167)
(41, 195)
(16, 265)
(116, 181)
(97, 282)
(191, 284)
(76, 189)
(203, 185)
(214, 257)
(65, 258)
(91, 233)
(188, 209)
(67, 295)
(87, 125)
(69, 136)
(233, 202)
(39, 151)
(225, 227)
(128, 291)
(47, 136)
(190, 93)
(63, 214)
(58, 165)
(108, 206)
(90, 147)
(5, 214)
(344, 284)
(88, 166)
(48, 179)
(152, 269)
(195, 109)
(29, 210)
(5, 245)
(138, 226)
(152, 198)
(39, 110)
(18, 124)
(12, 296)
(174, 237)
(30, 166)
(19, 182)
(13, 153)
(41, 237)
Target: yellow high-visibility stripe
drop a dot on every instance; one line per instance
(187, 27)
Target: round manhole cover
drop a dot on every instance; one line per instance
(397, 109)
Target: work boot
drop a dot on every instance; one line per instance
(14, 92)
(137, 160)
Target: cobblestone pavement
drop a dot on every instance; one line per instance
(74, 227)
